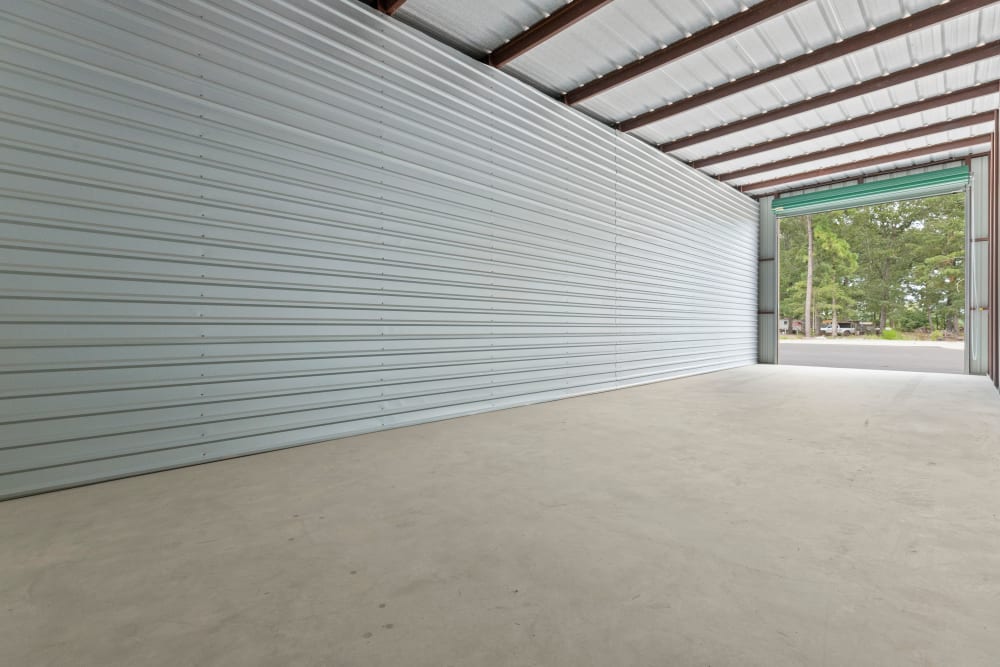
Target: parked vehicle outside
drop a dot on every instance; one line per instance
(786, 326)
(845, 329)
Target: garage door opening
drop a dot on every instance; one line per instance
(917, 245)
(880, 286)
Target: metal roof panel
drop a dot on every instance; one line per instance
(624, 30)
(473, 26)
(955, 79)
(858, 173)
(911, 121)
(925, 45)
(864, 154)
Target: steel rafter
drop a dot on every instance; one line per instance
(897, 28)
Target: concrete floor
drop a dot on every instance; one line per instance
(762, 516)
(893, 355)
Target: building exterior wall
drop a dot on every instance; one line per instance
(232, 227)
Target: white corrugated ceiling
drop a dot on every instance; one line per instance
(623, 31)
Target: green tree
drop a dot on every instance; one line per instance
(900, 263)
(832, 285)
(937, 281)
(879, 235)
(834, 280)
(792, 255)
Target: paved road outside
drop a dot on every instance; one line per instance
(929, 357)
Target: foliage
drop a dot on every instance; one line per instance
(835, 268)
(891, 334)
(899, 264)
(836, 265)
(909, 318)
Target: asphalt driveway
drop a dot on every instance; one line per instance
(930, 357)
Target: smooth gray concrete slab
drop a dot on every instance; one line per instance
(770, 515)
(888, 355)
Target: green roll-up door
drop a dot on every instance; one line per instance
(927, 184)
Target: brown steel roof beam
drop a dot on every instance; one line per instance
(975, 54)
(977, 140)
(861, 179)
(897, 28)
(548, 27)
(962, 95)
(727, 27)
(389, 6)
(923, 131)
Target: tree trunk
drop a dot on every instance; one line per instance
(881, 318)
(809, 277)
(833, 324)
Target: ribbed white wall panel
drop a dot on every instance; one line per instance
(977, 267)
(232, 226)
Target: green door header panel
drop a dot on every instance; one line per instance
(914, 186)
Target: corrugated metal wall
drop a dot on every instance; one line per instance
(977, 273)
(233, 226)
(768, 297)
